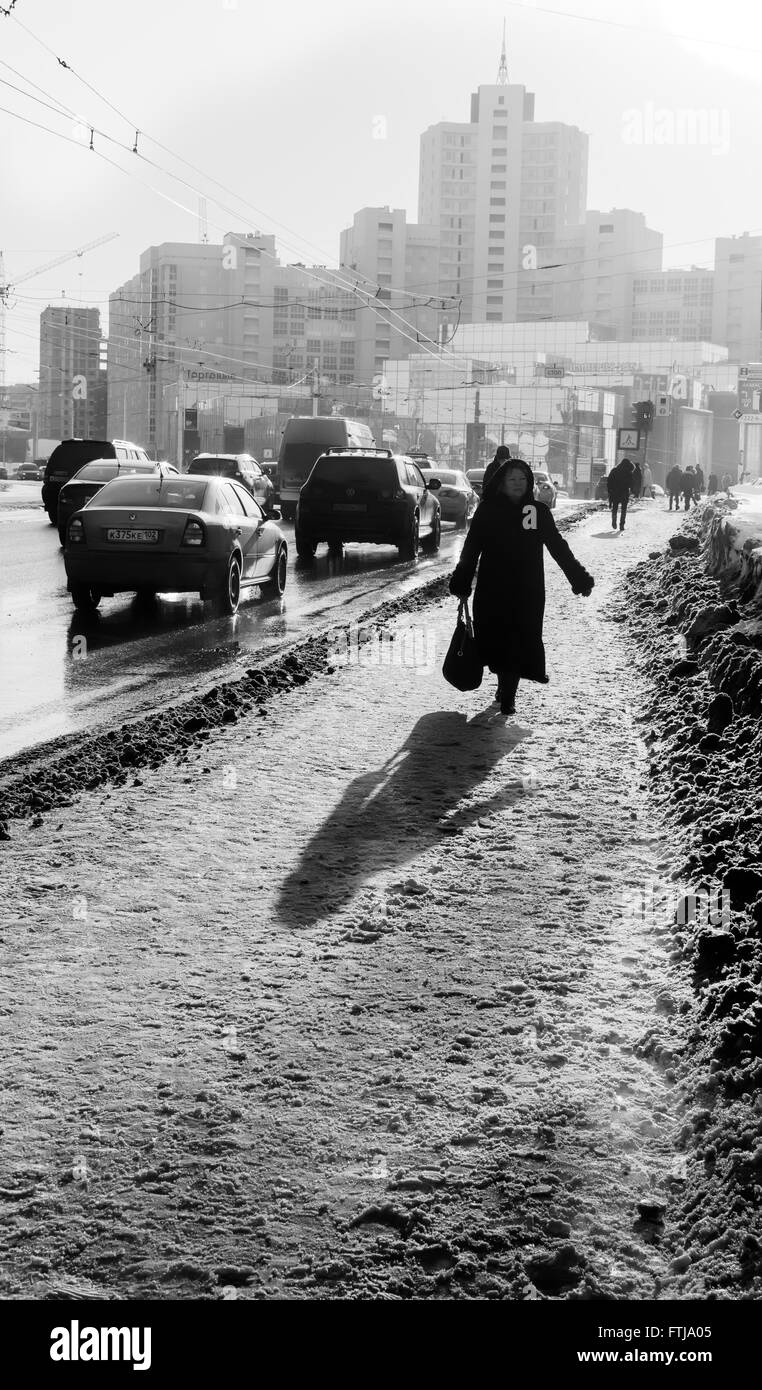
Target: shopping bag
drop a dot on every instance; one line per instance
(462, 666)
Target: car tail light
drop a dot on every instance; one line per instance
(76, 532)
(194, 533)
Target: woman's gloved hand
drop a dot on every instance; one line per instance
(459, 586)
(583, 584)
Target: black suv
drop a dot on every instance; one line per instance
(367, 495)
(90, 479)
(72, 454)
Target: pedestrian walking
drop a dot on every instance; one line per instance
(501, 454)
(713, 484)
(506, 538)
(689, 487)
(648, 480)
(619, 487)
(674, 482)
(727, 483)
(636, 486)
(698, 473)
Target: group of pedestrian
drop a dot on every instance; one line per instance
(687, 484)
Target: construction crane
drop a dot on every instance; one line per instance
(7, 288)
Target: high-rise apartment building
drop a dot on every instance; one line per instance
(674, 304)
(737, 307)
(72, 397)
(500, 188)
(591, 270)
(394, 267)
(195, 310)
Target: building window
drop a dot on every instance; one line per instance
(497, 202)
(499, 169)
(497, 266)
(494, 284)
(497, 217)
(606, 227)
(494, 318)
(494, 299)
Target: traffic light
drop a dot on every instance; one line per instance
(642, 415)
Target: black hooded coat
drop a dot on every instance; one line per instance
(507, 539)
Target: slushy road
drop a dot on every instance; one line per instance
(132, 661)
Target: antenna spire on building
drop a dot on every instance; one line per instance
(502, 72)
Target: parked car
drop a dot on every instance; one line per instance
(240, 468)
(475, 477)
(368, 495)
(457, 499)
(88, 482)
(72, 454)
(544, 488)
(173, 534)
(3, 474)
(28, 473)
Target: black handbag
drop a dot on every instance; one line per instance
(462, 666)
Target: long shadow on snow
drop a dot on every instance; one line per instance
(389, 815)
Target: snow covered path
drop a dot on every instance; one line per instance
(349, 1006)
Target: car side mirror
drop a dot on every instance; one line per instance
(274, 514)
(434, 485)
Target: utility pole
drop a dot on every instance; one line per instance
(315, 386)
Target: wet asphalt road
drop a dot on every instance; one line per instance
(62, 672)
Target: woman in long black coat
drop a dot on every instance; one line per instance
(506, 537)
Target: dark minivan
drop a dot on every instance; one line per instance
(367, 495)
(72, 454)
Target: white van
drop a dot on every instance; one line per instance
(305, 438)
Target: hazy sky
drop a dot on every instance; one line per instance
(280, 102)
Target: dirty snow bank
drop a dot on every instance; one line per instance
(697, 613)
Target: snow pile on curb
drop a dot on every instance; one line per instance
(696, 611)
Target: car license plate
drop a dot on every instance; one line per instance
(350, 507)
(144, 536)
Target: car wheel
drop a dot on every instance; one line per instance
(306, 545)
(431, 542)
(145, 598)
(84, 598)
(335, 547)
(408, 546)
(279, 572)
(229, 592)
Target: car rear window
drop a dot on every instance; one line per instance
(96, 472)
(218, 468)
(154, 492)
(358, 471)
(449, 477)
